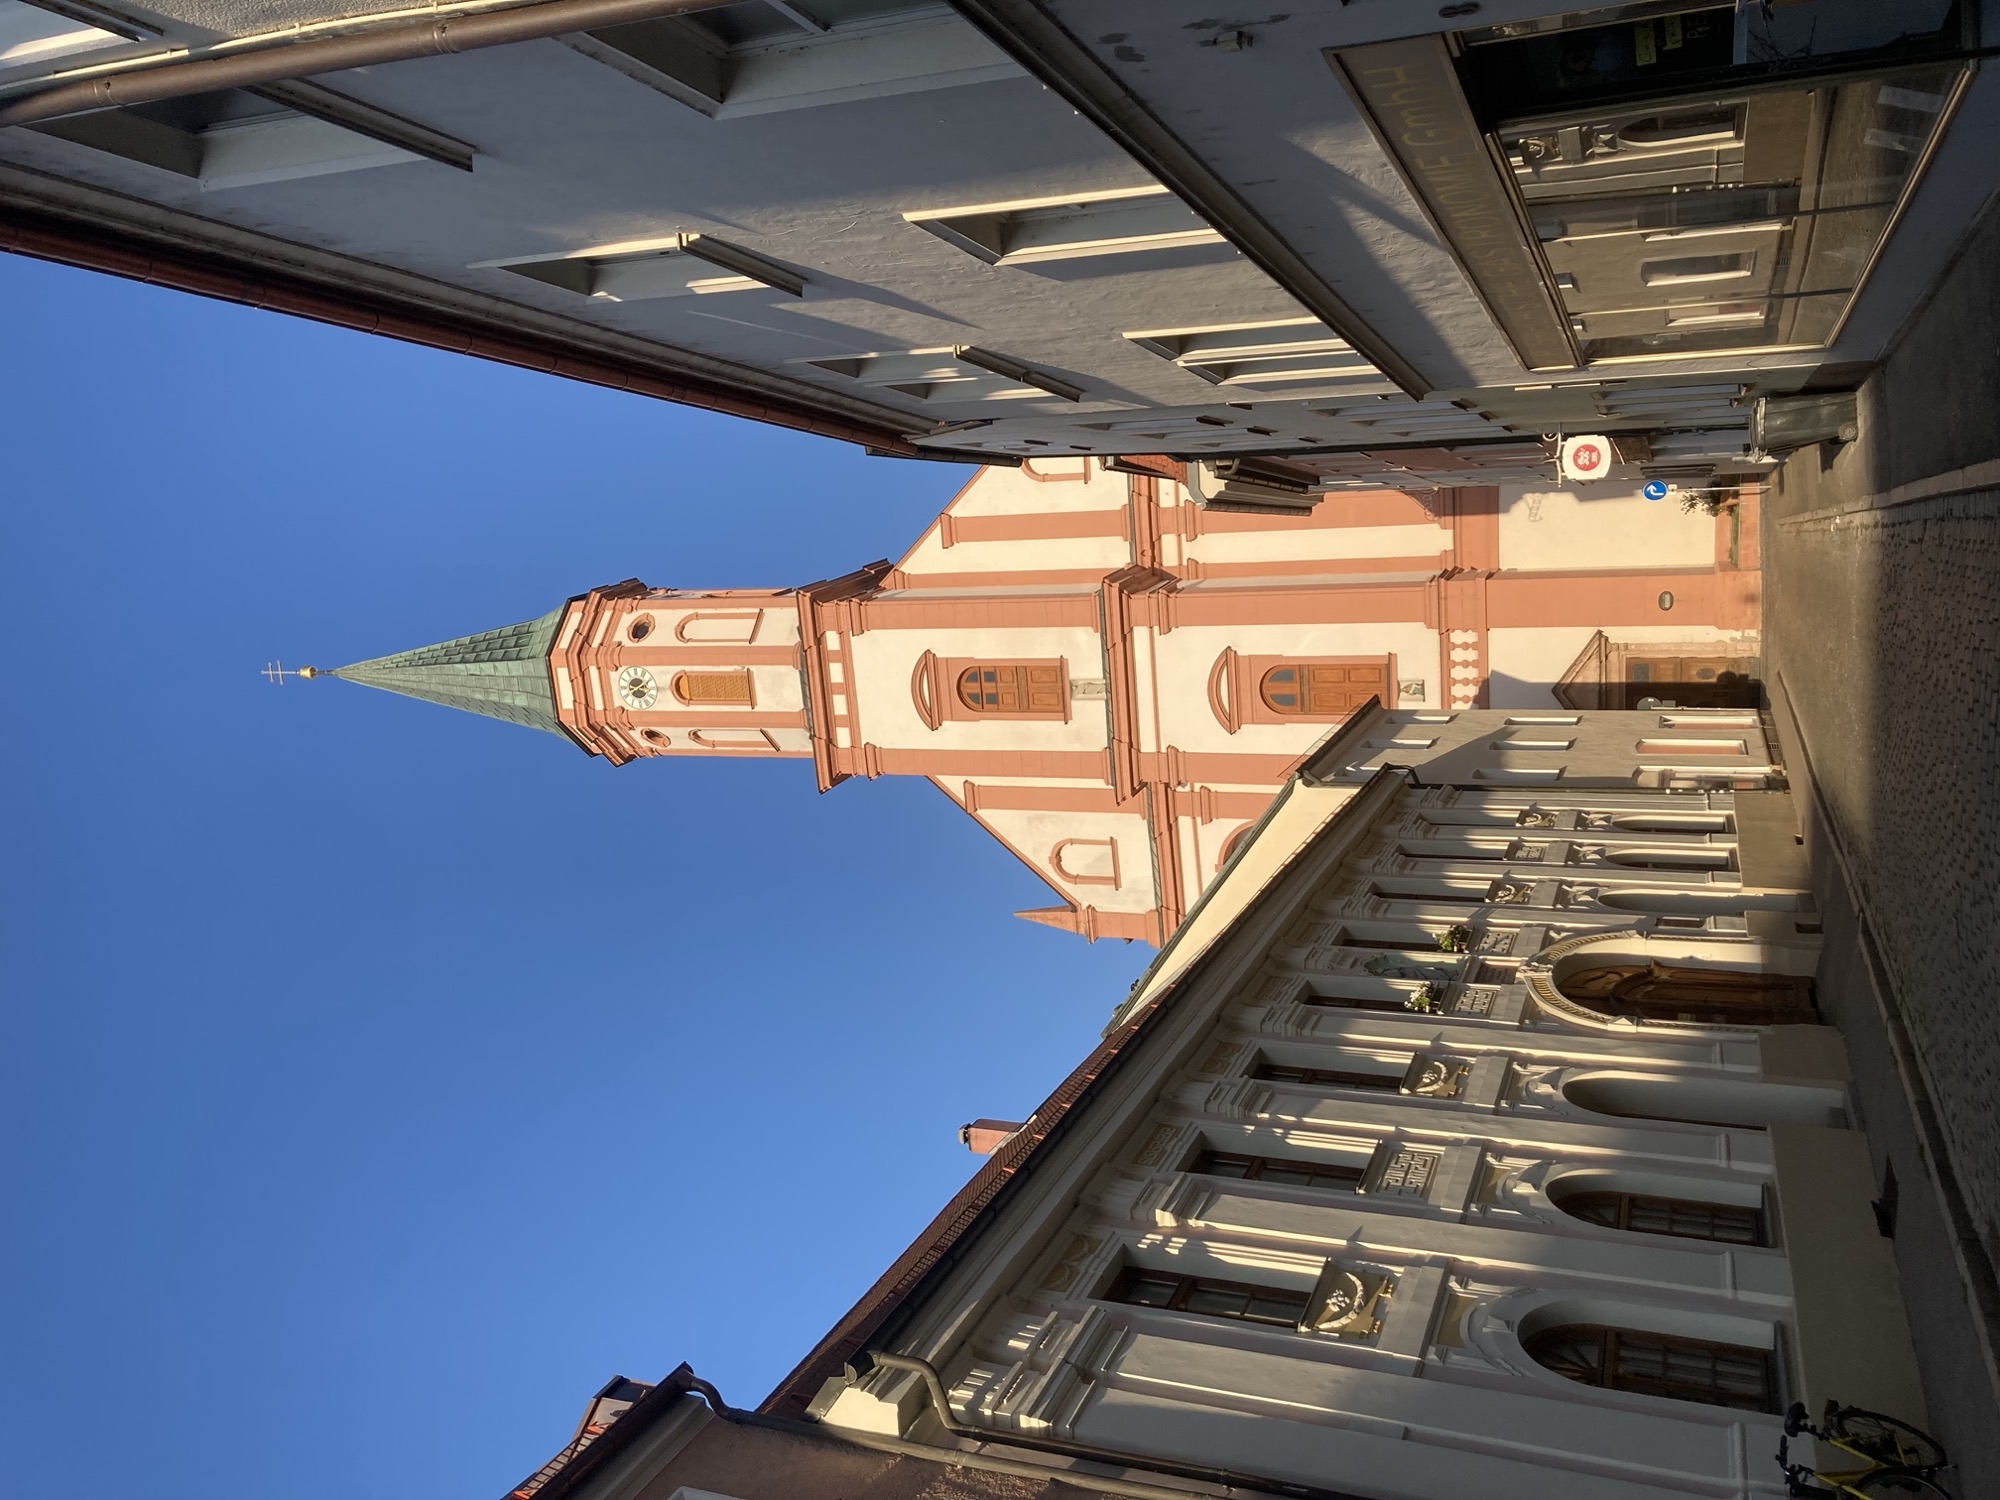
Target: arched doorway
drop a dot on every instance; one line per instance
(1654, 991)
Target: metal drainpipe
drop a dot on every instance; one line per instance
(288, 60)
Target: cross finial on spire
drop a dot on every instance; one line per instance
(276, 672)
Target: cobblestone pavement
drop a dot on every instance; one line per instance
(1883, 625)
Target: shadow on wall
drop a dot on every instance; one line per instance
(1741, 1103)
(1503, 691)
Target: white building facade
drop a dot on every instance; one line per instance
(1361, 239)
(1475, 1135)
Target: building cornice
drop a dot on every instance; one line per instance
(118, 236)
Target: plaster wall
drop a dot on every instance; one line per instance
(881, 663)
(1113, 850)
(1028, 556)
(1599, 526)
(1525, 662)
(1281, 545)
(1186, 656)
(708, 623)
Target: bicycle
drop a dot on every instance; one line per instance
(1898, 1462)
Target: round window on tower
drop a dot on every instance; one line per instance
(640, 628)
(654, 737)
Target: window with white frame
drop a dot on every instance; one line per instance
(1035, 230)
(761, 56)
(1272, 356)
(677, 265)
(244, 137)
(954, 373)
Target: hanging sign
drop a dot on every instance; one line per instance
(1586, 458)
(1656, 489)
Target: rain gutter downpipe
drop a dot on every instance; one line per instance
(283, 61)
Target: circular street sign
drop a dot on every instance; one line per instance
(1656, 489)
(1586, 458)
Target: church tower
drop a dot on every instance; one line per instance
(1114, 680)
(626, 671)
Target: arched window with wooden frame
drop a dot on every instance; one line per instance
(1659, 1364)
(1319, 690)
(1677, 993)
(726, 687)
(1292, 689)
(945, 689)
(1012, 690)
(1682, 1218)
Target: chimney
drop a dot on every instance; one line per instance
(984, 1137)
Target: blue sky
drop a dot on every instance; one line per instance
(375, 1080)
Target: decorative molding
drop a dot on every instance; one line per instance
(924, 687)
(1345, 1303)
(1220, 1057)
(1399, 1171)
(1475, 1000)
(1277, 986)
(1237, 1098)
(1159, 1147)
(1287, 1017)
(1173, 1201)
(1222, 691)
(1537, 975)
(1061, 1276)
(1435, 1077)
(1110, 846)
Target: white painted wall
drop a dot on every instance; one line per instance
(1605, 525)
(881, 663)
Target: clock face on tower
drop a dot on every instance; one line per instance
(636, 688)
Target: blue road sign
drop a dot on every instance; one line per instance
(1656, 489)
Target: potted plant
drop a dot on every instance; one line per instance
(1456, 939)
(1425, 999)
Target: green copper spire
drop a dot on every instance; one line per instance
(503, 674)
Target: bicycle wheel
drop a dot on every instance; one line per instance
(1900, 1484)
(1886, 1439)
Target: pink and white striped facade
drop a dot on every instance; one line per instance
(1157, 621)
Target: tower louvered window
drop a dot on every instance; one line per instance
(712, 687)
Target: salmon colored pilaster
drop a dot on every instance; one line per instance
(1475, 527)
